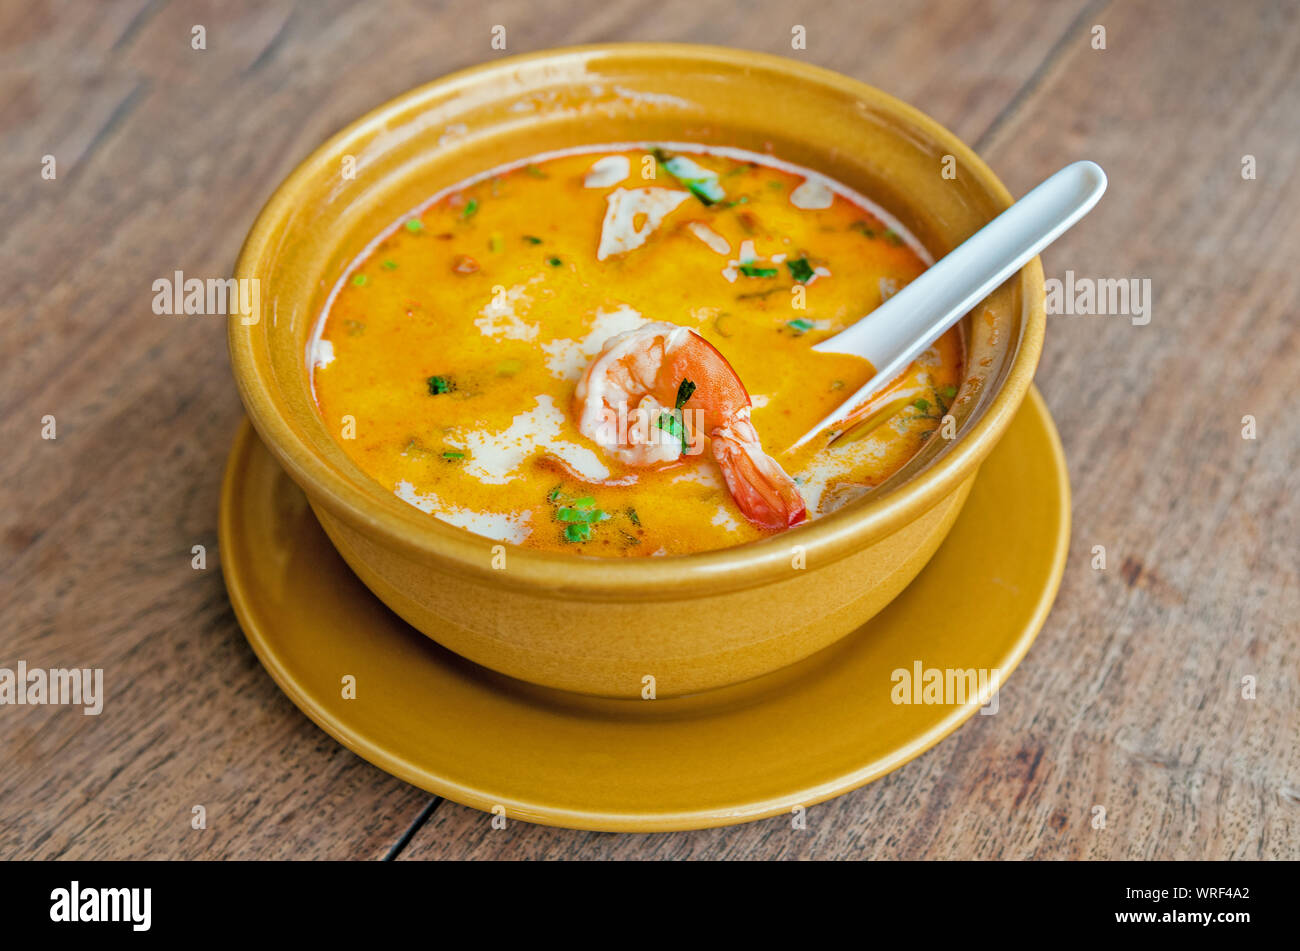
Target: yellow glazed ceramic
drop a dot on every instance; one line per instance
(691, 622)
(795, 737)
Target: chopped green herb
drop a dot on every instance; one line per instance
(670, 424)
(800, 270)
(573, 514)
(532, 239)
(699, 181)
(360, 280)
(750, 270)
(775, 185)
(536, 172)
(577, 515)
(636, 519)
(390, 265)
(948, 392)
(670, 421)
(577, 532)
(922, 405)
(554, 262)
(471, 208)
(414, 225)
(440, 384)
(799, 325)
(453, 455)
(893, 238)
(862, 227)
(706, 190)
(742, 200)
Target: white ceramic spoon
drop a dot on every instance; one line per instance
(903, 327)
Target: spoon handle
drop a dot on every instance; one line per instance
(904, 326)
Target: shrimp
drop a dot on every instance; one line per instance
(626, 400)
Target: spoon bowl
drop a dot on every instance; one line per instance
(900, 329)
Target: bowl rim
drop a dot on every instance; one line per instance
(557, 574)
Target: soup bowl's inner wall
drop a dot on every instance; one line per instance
(434, 137)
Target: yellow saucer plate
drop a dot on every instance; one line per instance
(792, 738)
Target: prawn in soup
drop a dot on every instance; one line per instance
(609, 352)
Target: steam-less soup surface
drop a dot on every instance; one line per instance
(449, 360)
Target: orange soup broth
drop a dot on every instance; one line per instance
(456, 341)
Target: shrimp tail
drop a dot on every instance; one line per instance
(762, 489)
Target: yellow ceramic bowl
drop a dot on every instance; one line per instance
(603, 626)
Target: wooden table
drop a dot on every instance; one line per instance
(1131, 699)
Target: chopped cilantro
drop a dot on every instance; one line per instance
(800, 326)
(704, 186)
(948, 392)
(390, 265)
(670, 424)
(414, 225)
(577, 515)
(800, 270)
(554, 262)
(636, 519)
(670, 421)
(471, 209)
(922, 405)
(360, 280)
(453, 455)
(750, 270)
(573, 514)
(440, 384)
(532, 239)
(536, 172)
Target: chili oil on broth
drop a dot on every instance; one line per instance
(456, 340)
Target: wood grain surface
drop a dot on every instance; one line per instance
(1131, 699)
